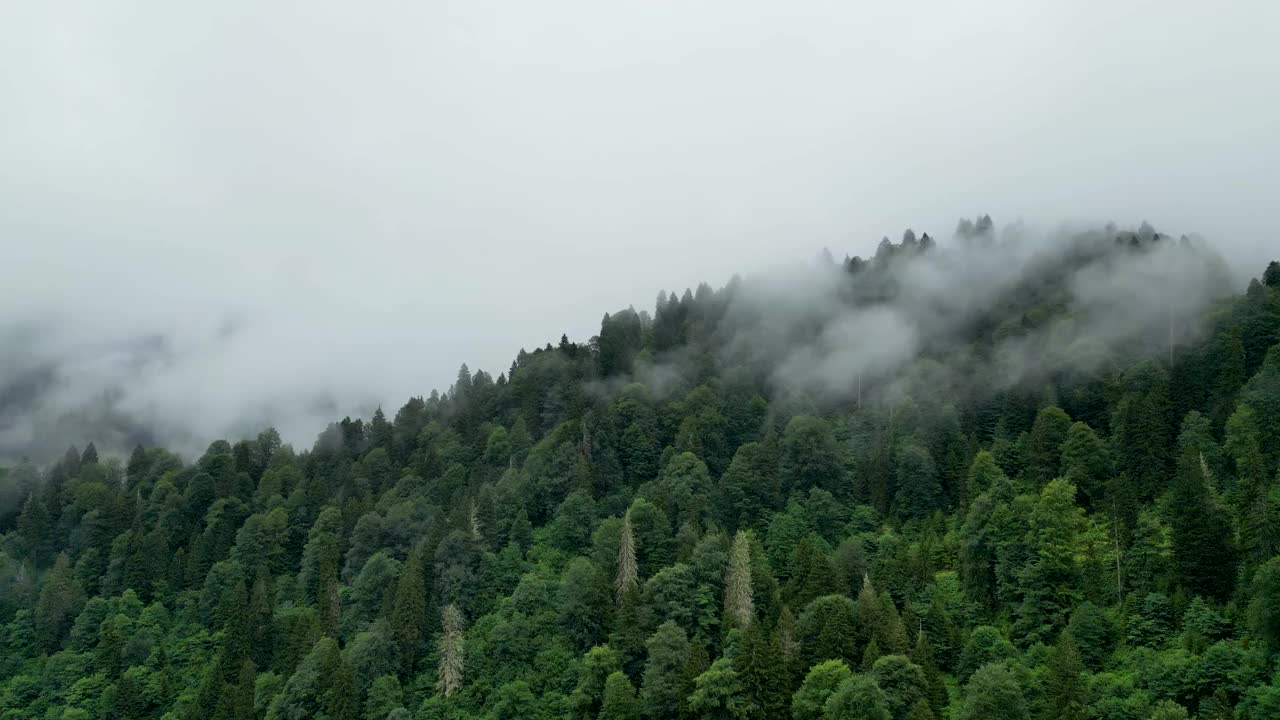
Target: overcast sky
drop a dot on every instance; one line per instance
(354, 198)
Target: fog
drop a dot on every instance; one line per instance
(216, 218)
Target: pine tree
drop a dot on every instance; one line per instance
(322, 686)
(521, 531)
(1264, 609)
(788, 635)
(870, 614)
(449, 672)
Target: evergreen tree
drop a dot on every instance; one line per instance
(60, 600)
(627, 579)
(322, 686)
(1264, 608)
(919, 492)
(1066, 696)
(449, 671)
(828, 630)
(1202, 548)
(1052, 580)
(739, 608)
(1045, 445)
(757, 660)
(1086, 462)
(717, 694)
(409, 609)
(665, 683)
(984, 474)
(320, 563)
(619, 701)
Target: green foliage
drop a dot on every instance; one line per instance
(903, 682)
(717, 694)
(828, 630)
(666, 509)
(810, 701)
(857, 698)
(619, 702)
(993, 692)
(666, 683)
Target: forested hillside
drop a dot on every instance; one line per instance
(991, 479)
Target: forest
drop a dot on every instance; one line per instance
(977, 480)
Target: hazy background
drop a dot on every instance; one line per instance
(220, 217)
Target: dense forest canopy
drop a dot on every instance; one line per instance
(1008, 477)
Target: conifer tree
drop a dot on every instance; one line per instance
(1052, 580)
(739, 607)
(717, 694)
(666, 683)
(1044, 445)
(60, 600)
(757, 659)
(627, 579)
(1065, 692)
(320, 561)
(449, 671)
(1202, 549)
(619, 701)
(408, 610)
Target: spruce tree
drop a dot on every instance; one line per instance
(619, 701)
(1202, 550)
(627, 579)
(1066, 696)
(739, 607)
(666, 683)
(449, 670)
(408, 610)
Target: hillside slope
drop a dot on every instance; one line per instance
(1009, 477)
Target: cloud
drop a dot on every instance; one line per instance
(216, 217)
